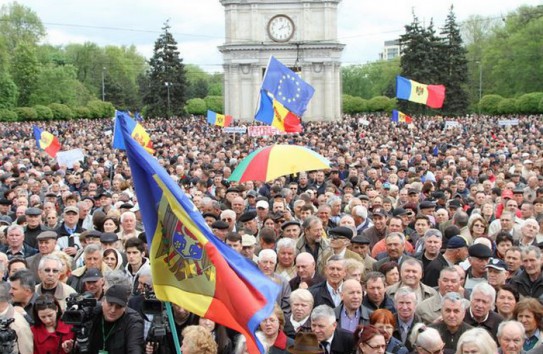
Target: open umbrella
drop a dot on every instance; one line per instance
(270, 162)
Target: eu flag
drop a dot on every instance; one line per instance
(191, 267)
(287, 87)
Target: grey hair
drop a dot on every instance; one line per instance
(50, 257)
(486, 289)
(4, 292)
(309, 221)
(424, 336)
(480, 338)
(92, 248)
(405, 291)
(454, 298)
(396, 234)
(116, 277)
(333, 200)
(323, 311)
(433, 232)
(528, 249)
(360, 211)
(269, 254)
(302, 295)
(502, 325)
(127, 213)
(286, 243)
(15, 227)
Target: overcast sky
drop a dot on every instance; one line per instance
(198, 25)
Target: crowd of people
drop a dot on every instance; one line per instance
(419, 238)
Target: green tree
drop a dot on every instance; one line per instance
(490, 104)
(58, 84)
(455, 73)
(196, 106)
(164, 89)
(8, 91)
(19, 24)
(25, 71)
(215, 103)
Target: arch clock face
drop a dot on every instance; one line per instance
(281, 28)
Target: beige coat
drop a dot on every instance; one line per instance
(61, 293)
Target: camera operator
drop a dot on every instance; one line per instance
(23, 339)
(115, 328)
(158, 337)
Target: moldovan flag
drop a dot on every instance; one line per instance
(191, 267)
(46, 141)
(401, 117)
(136, 130)
(218, 119)
(273, 113)
(430, 95)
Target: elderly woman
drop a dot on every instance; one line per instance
(391, 270)
(272, 327)
(426, 340)
(476, 340)
(386, 321)
(529, 312)
(198, 340)
(301, 304)
(286, 253)
(370, 340)
(354, 269)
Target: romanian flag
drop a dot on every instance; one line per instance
(218, 119)
(191, 267)
(401, 117)
(136, 130)
(46, 141)
(430, 95)
(273, 113)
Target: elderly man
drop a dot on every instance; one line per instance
(16, 247)
(93, 258)
(360, 216)
(306, 274)
(405, 302)
(529, 231)
(22, 291)
(333, 340)
(513, 259)
(286, 251)
(24, 343)
(340, 238)
(49, 271)
(69, 230)
(496, 272)
(432, 247)
(312, 240)
(34, 226)
(530, 281)
(452, 325)
(301, 304)
(128, 226)
(47, 242)
(480, 312)
(395, 246)
(410, 276)
(328, 292)
(511, 337)
(430, 309)
(267, 260)
(479, 255)
(360, 245)
(350, 313)
(291, 229)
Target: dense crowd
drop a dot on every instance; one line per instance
(419, 238)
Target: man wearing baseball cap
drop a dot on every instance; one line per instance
(115, 328)
(496, 272)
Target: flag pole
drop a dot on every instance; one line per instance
(172, 327)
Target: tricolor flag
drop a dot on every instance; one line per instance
(191, 267)
(401, 117)
(136, 130)
(46, 141)
(430, 95)
(220, 120)
(273, 113)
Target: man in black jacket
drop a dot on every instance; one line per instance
(115, 327)
(332, 339)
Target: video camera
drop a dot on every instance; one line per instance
(8, 337)
(79, 313)
(153, 306)
(79, 308)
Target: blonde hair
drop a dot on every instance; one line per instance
(199, 340)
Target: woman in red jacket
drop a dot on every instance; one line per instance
(49, 331)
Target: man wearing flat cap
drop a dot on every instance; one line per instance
(34, 226)
(479, 255)
(115, 328)
(456, 251)
(340, 238)
(69, 230)
(47, 242)
(249, 222)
